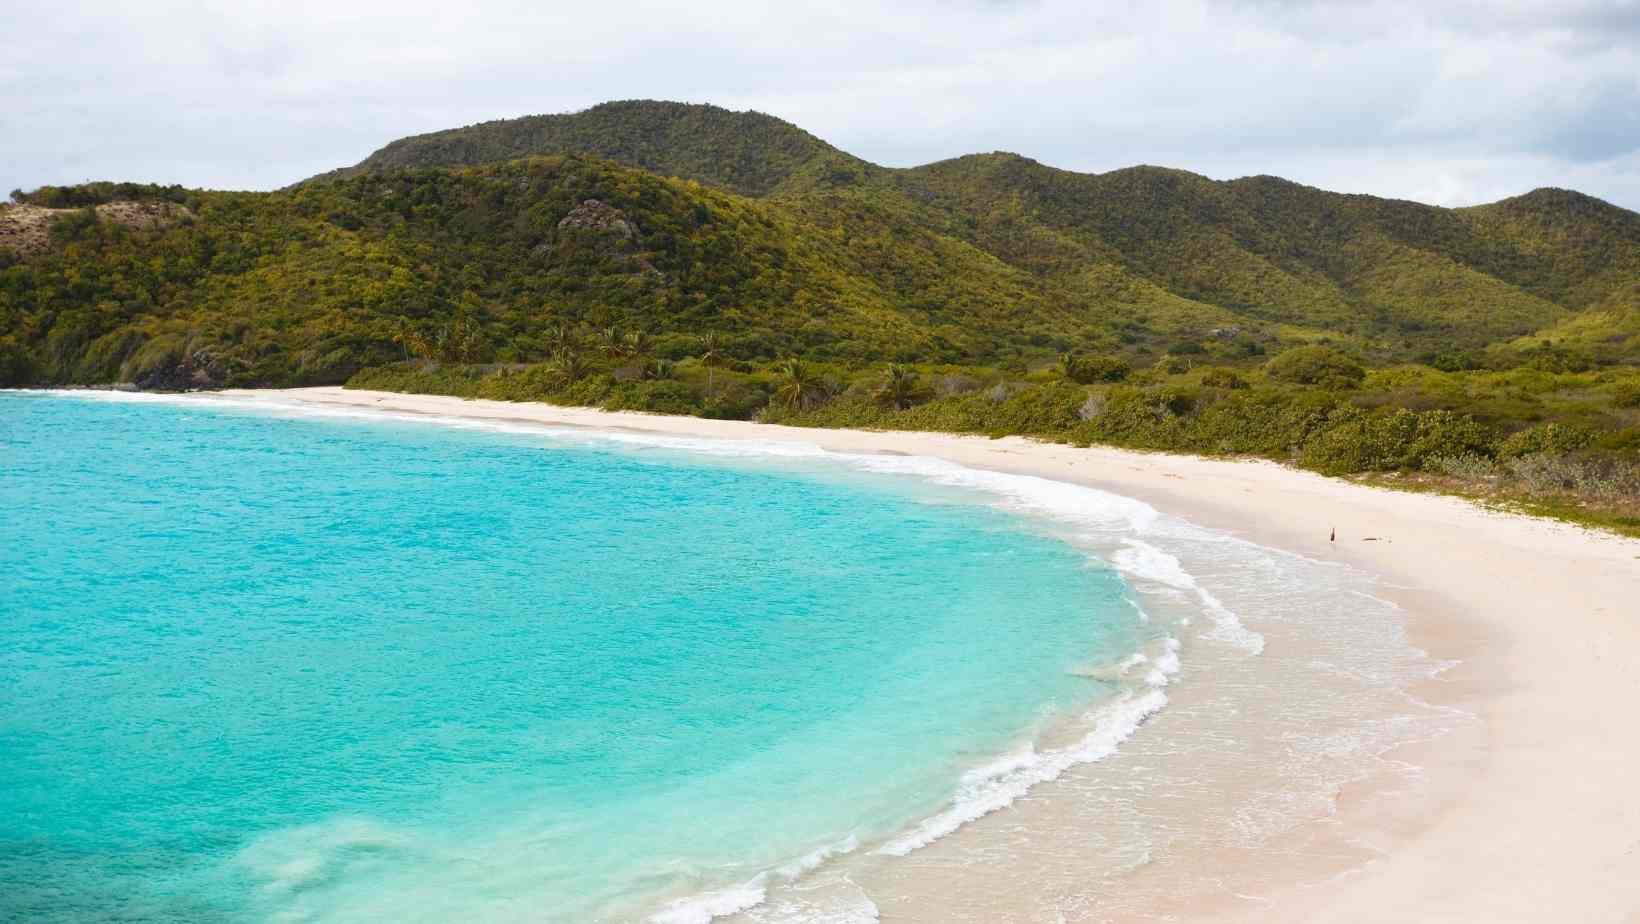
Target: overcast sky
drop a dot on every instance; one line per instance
(1450, 103)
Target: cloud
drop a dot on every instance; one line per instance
(1449, 103)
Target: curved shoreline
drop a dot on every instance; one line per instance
(1530, 817)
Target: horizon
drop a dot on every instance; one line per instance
(1457, 105)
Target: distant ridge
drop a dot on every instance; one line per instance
(748, 152)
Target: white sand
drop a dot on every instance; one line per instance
(1535, 818)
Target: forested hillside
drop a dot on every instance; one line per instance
(695, 260)
(1394, 277)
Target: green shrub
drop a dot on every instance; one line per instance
(16, 364)
(1453, 360)
(1468, 465)
(154, 359)
(1173, 365)
(106, 355)
(1549, 437)
(662, 396)
(1222, 378)
(1358, 441)
(1086, 370)
(1596, 475)
(1316, 365)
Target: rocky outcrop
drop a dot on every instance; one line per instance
(597, 226)
(26, 229)
(188, 371)
(596, 217)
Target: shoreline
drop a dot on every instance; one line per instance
(1528, 815)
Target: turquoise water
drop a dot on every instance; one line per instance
(256, 667)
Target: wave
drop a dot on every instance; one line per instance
(1142, 560)
(997, 785)
(702, 908)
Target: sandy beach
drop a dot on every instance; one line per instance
(1529, 813)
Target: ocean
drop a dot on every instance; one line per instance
(267, 664)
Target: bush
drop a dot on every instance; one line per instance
(1316, 365)
(1146, 417)
(660, 397)
(1222, 378)
(1173, 365)
(1557, 359)
(1086, 370)
(1453, 360)
(1549, 437)
(154, 359)
(1468, 465)
(16, 365)
(1555, 472)
(1357, 441)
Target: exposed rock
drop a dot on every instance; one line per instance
(607, 231)
(1093, 407)
(199, 369)
(26, 229)
(597, 217)
(1002, 391)
(947, 386)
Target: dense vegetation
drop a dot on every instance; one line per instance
(1558, 441)
(688, 259)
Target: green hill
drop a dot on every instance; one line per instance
(746, 152)
(681, 220)
(1395, 277)
(689, 259)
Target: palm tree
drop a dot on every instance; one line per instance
(404, 335)
(898, 388)
(561, 336)
(569, 365)
(637, 344)
(611, 342)
(711, 356)
(798, 386)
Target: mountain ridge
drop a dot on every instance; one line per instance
(745, 225)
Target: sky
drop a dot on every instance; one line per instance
(1448, 103)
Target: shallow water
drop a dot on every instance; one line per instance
(278, 666)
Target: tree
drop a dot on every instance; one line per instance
(1070, 366)
(637, 344)
(1087, 370)
(899, 388)
(569, 365)
(711, 356)
(612, 342)
(798, 387)
(562, 336)
(1316, 365)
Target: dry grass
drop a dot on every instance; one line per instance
(26, 229)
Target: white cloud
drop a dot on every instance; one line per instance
(1450, 103)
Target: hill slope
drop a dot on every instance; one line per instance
(490, 238)
(746, 152)
(1395, 275)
